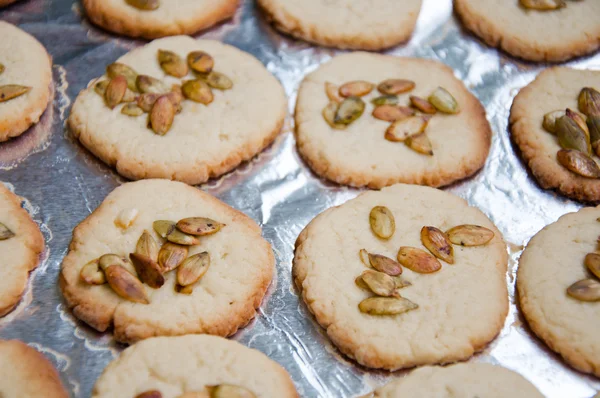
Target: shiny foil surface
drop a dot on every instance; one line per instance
(62, 183)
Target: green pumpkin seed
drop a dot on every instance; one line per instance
(579, 119)
(146, 101)
(171, 256)
(149, 84)
(379, 283)
(181, 238)
(109, 259)
(132, 110)
(329, 113)
(100, 87)
(593, 125)
(172, 64)
(217, 80)
(382, 222)
(386, 305)
(200, 61)
(197, 91)
(349, 110)
(162, 115)
(395, 86)
(550, 118)
(92, 274)
(146, 246)
(385, 100)
(443, 101)
(5, 232)
(163, 227)
(578, 163)
(585, 290)
(115, 91)
(144, 5)
(419, 143)
(572, 136)
(118, 69)
(589, 101)
(193, 268)
(11, 91)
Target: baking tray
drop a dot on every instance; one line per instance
(62, 183)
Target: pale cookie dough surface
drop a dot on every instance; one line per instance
(175, 365)
(360, 155)
(225, 299)
(366, 24)
(19, 254)
(460, 381)
(204, 141)
(173, 17)
(534, 35)
(26, 373)
(462, 307)
(554, 89)
(551, 262)
(26, 63)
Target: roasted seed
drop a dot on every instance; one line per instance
(193, 268)
(572, 136)
(144, 5)
(593, 125)
(332, 91)
(150, 394)
(423, 105)
(125, 284)
(132, 110)
(329, 113)
(578, 163)
(148, 270)
(200, 61)
(385, 100)
(418, 260)
(115, 91)
(543, 5)
(401, 282)
(438, 243)
(386, 305)
(2, 68)
(395, 86)
(5, 232)
(585, 290)
(162, 115)
(163, 227)
(358, 281)
(469, 235)
(171, 256)
(382, 222)
(349, 110)
(11, 91)
(100, 87)
(385, 264)
(189, 289)
(107, 260)
(230, 391)
(550, 118)
(379, 283)
(443, 101)
(392, 113)
(149, 84)
(364, 257)
(592, 262)
(579, 119)
(199, 226)
(419, 143)
(217, 80)
(197, 91)
(401, 129)
(146, 101)
(118, 69)
(147, 246)
(181, 238)
(589, 102)
(92, 274)
(356, 88)
(129, 96)
(172, 64)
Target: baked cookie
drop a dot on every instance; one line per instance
(534, 35)
(26, 373)
(460, 381)
(554, 259)
(363, 153)
(152, 19)
(433, 312)
(21, 244)
(347, 24)
(25, 79)
(195, 284)
(208, 132)
(554, 89)
(209, 362)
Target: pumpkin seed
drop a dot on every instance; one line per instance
(162, 115)
(329, 115)
(379, 283)
(469, 235)
(193, 268)
(171, 256)
(418, 260)
(401, 129)
(385, 264)
(230, 391)
(364, 257)
(572, 136)
(144, 5)
(189, 289)
(578, 163)
(197, 91)
(392, 113)
(217, 80)
(356, 88)
(11, 91)
(124, 284)
(150, 394)
(132, 110)
(107, 260)
(589, 101)
(419, 143)
(129, 96)
(148, 270)
(550, 118)
(382, 222)
(146, 101)
(100, 87)
(579, 119)
(163, 227)
(385, 100)
(200, 61)
(118, 69)
(149, 84)
(443, 101)
(395, 86)
(423, 105)
(349, 110)
(146, 246)
(592, 262)
(172, 64)
(2, 68)
(5, 232)
(386, 305)
(332, 91)
(199, 226)
(115, 91)
(585, 290)
(358, 281)
(593, 125)
(438, 243)
(401, 282)
(543, 5)
(176, 236)
(92, 274)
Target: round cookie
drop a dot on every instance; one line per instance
(553, 89)
(20, 252)
(223, 300)
(460, 381)
(172, 17)
(360, 155)
(156, 364)
(552, 261)
(462, 307)
(533, 35)
(26, 63)
(204, 141)
(26, 373)
(347, 24)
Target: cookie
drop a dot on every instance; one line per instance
(26, 373)
(170, 18)
(553, 89)
(366, 25)
(461, 307)
(533, 35)
(460, 381)
(174, 366)
(204, 141)
(552, 261)
(361, 155)
(24, 62)
(239, 269)
(21, 244)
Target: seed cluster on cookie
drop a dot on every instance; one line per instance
(214, 391)
(588, 289)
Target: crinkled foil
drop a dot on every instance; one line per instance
(62, 183)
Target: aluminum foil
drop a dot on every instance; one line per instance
(62, 183)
